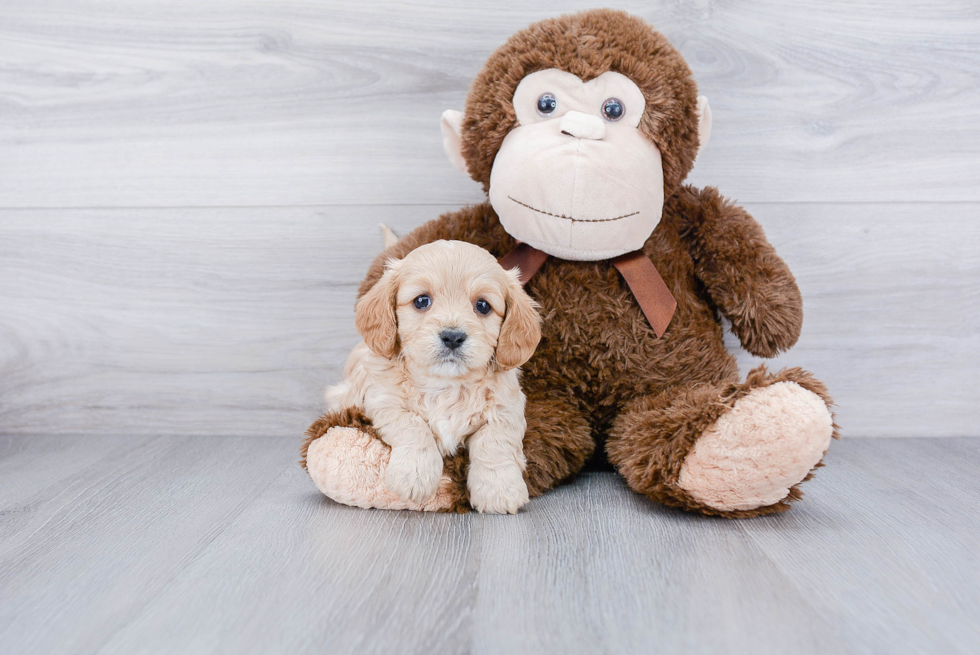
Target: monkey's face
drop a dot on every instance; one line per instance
(580, 169)
(577, 178)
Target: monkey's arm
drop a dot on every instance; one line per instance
(477, 224)
(742, 273)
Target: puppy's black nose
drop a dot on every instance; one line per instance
(452, 338)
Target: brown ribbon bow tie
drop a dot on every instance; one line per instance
(641, 276)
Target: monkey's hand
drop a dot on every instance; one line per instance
(748, 282)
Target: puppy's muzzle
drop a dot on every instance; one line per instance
(452, 338)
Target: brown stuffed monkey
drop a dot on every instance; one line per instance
(581, 130)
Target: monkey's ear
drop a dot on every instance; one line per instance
(389, 236)
(704, 123)
(452, 142)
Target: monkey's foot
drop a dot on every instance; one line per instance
(755, 453)
(348, 465)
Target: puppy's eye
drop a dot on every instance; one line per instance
(422, 302)
(613, 109)
(483, 307)
(547, 104)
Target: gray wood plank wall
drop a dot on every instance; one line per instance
(190, 192)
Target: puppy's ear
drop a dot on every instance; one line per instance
(521, 330)
(375, 316)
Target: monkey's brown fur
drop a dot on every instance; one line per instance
(600, 373)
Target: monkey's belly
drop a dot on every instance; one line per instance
(597, 343)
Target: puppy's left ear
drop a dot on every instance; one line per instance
(374, 314)
(521, 330)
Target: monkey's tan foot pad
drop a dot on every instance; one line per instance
(754, 454)
(348, 466)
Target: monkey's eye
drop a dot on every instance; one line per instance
(547, 104)
(483, 306)
(613, 109)
(422, 302)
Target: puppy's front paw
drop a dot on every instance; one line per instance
(413, 473)
(497, 491)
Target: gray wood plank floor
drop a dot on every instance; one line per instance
(222, 545)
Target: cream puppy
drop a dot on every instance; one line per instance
(444, 331)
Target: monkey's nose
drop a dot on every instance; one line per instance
(582, 126)
(452, 338)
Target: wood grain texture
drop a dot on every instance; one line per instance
(30, 464)
(232, 321)
(87, 552)
(179, 321)
(889, 491)
(207, 545)
(189, 195)
(231, 103)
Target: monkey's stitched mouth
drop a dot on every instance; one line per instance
(572, 218)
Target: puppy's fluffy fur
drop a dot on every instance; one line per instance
(435, 371)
